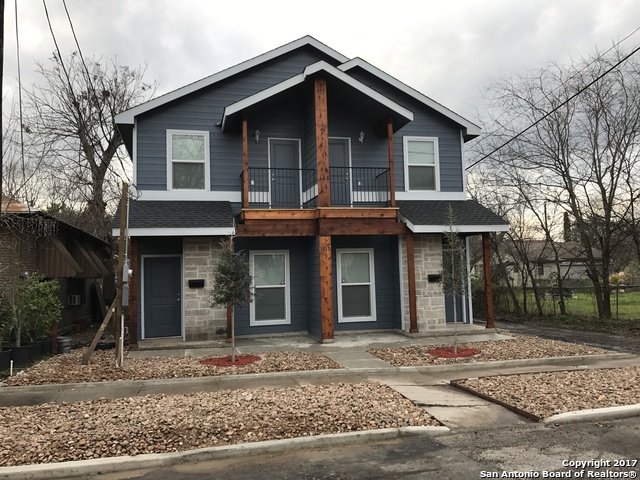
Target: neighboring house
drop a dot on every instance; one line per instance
(336, 179)
(570, 258)
(33, 241)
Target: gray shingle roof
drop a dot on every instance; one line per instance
(179, 214)
(436, 212)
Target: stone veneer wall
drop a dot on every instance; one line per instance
(201, 321)
(429, 297)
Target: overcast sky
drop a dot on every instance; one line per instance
(448, 50)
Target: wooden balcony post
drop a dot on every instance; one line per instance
(392, 177)
(133, 293)
(322, 142)
(326, 287)
(488, 290)
(411, 273)
(245, 165)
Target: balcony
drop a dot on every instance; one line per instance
(285, 188)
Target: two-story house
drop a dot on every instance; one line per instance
(336, 179)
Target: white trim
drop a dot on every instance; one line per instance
(177, 232)
(128, 116)
(472, 130)
(207, 160)
(134, 159)
(401, 271)
(431, 195)
(287, 290)
(142, 323)
(436, 158)
(462, 164)
(299, 165)
(312, 69)
(372, 285)
(446, 228)
(470, 297)
(187, 195)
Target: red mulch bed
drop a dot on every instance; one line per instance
(226, 361)
(449, 352)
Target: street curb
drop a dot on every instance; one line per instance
(594, 414)
(460, 369)
(82, 468)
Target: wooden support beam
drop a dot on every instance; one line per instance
(326, 287)
(392, 177)
(133, 293)
(322, 142)
(260, 228)
(348, 212)
(488, 290)
(361, 226)
(122, 240)
(96, 339)
(245, 164)
(411, 273)
(273, 214)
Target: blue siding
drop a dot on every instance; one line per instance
(202, 111)
(299, 248)
(387, 278)
(314, 325)
(427, 123)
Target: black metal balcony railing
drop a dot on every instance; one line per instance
(298, 188)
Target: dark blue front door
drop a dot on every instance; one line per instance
(162, 297)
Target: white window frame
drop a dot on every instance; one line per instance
(287, 290)
(207, 160)
(436, 150)
(372, 284)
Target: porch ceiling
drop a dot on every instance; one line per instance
(341, 87)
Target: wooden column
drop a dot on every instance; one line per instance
(411, 273)
(322, 142)
(133, 293)
(326, 287)
(392, 176)
(488, 291)
(245, 164)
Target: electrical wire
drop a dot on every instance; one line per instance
(609, 70)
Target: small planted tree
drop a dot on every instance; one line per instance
(454, 270)
(231, 283)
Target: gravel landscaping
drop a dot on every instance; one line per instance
(547, 394)
(67, 368)
(106, 428)
(519, 347)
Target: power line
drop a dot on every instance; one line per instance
(554, 109)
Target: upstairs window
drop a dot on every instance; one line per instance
(421, 164)
(188, 160)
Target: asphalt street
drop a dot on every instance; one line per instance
(460, 455)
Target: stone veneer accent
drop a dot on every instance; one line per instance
(429, 297)
(199, 257)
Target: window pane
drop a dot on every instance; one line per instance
(421, 153)
(356, 301)
(422, 178)
(270, 303)
(187, 147)
(269, 269)
(354, 268)
(188, 175)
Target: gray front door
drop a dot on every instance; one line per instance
(340, 175)
(162, 297)
(285, 173)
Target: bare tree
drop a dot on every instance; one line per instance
(582, 157)
(72, 113)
